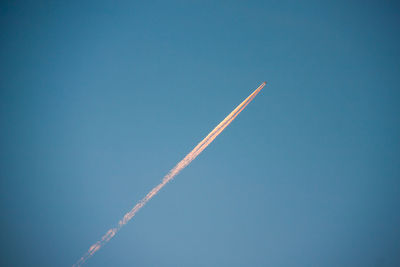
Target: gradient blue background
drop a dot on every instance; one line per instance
(99, 100)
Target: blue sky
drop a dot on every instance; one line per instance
(99, 100)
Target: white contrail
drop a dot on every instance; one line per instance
(171, 174)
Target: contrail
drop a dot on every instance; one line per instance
(171, 174)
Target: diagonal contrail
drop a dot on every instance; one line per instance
(171, 174)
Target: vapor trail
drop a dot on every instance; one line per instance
(171, 174)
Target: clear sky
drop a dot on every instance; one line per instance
(99, 100)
